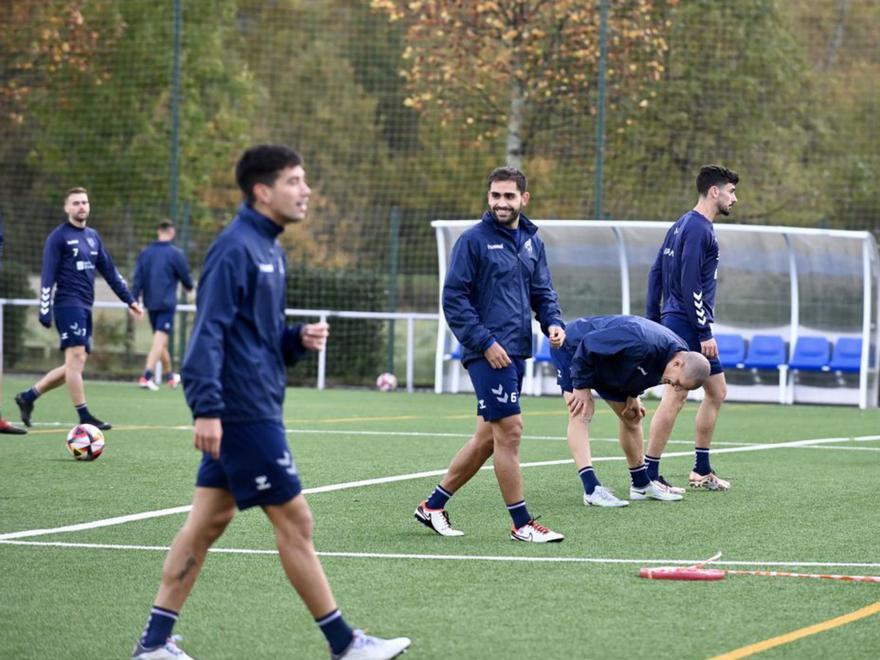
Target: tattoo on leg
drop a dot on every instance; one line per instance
(190, 564)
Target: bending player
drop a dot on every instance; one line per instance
(620, 357)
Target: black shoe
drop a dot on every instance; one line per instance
(94, 421)
(26, 408)
(6, 427)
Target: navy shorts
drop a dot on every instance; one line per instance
(255, 465)
(562, 361)
(162, 320)
(497, 390)
(74, 325)
(683, 329)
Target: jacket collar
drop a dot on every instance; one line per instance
(258, 221)
(526, 226)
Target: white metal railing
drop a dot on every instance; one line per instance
(323, 315)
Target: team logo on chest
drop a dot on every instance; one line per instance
(90, 241)
(528, 245)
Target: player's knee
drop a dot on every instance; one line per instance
(718, 395)
(297, 527)
(508, 432)
(75, 360)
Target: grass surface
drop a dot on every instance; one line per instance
(495, 598)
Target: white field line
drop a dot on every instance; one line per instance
(118, 520)
(844, 448)
(405, 434)
(445, 557)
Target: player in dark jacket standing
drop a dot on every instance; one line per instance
(497, 274)
(620, 357)
(5, 426)
(160, 266)
(681, 296)
(234, 379)
(72, 254)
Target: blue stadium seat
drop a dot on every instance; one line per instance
(847, 355)
(766, 352)
(731, 350)
(810, 354)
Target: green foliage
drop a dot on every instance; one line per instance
(357, 346)
(14, 284)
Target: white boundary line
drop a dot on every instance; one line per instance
(118, 520)
(444, 557)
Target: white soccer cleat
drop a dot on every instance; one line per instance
(174, 381)
(678, 490)
(147, 384)
(602, 496)
(168, 651)
(709, 481)
(365, 647)
(532, 532)
(437, 520)
(654, 491)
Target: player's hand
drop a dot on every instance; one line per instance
(634, 409)
(207, 434)
(46, 320)
(581, 404)
(136, 310)
(556, 335)
(314, 336)
(709, 348)
(497, 356)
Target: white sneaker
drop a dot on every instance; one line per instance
(365, 647)
(678, 490)
(654, 491)
(532, 532)
(147, 384)
(709, 481)
(602, 496)
(174, 381)
(436, 519)
(168, 651)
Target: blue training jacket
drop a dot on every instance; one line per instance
(624, 354)
(160, 266)
(492, 286)
(234, 364)
(685, 273)
(71, 256)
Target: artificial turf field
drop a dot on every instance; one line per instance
(810, 507)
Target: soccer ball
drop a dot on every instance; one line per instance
(386, 382)
(85, 442)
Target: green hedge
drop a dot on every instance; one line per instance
(14, 284)
(356, 353)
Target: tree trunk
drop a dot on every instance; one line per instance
(515, 144)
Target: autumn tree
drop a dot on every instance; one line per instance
(515, 67)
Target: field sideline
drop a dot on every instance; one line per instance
(83, 543)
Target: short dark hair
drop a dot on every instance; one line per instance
(508, 173)
(78, 190)
(263, 164)
(714, 175)
(165, 225)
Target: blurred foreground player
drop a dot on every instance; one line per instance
(234, 379)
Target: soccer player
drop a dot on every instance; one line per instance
(160, 266)
(620, 357)
(681, 296)
(497, 274)
(71, 255)
(5, 426)
(234, 379)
